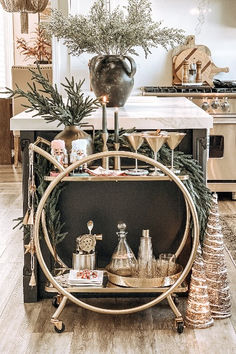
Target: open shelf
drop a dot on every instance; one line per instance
(108, 287)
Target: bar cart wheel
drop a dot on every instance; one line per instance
(60, 330)
(55, 302)
(176, 299)
(180, 327)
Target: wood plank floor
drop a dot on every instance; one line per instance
(26, 328)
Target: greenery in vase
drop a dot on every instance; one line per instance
(48, 102)
(117, 32)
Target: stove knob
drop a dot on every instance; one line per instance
(215, 104)
(225, 105)
(205, 105)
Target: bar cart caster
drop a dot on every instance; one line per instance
(65, 292)
(176, 299)
(179, 324)
(58, 324)
(57, 300)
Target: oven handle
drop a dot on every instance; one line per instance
(204, 143)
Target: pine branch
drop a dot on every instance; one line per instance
(46, 100)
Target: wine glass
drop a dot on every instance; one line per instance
(135, 140)
(155, 142)
(173, 140)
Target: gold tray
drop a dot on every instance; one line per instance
(132, 282)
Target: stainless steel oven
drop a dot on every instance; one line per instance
(220, 102)
(221, 165)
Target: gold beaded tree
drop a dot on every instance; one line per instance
(198, 313)
(215, 267)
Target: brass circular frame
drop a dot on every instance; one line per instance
(98, 156)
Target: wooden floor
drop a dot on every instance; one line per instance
(26, 328)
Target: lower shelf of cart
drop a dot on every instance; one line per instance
(111, 288)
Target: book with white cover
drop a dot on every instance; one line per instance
(75, 278)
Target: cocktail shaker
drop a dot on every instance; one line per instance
(85, 257)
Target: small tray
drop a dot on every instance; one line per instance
(132, 282)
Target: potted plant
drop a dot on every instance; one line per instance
(39, 48)
(112, 36)
(46, 101)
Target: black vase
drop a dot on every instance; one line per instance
(113, 76)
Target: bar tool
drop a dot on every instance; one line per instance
(85, 256)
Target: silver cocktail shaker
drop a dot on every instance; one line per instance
(85, 257)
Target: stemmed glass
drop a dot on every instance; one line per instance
(173, 140)
(155, 142)
(135, 140)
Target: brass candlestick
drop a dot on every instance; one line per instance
(105, 160)
(117, 158)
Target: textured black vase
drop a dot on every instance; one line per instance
(113, 76)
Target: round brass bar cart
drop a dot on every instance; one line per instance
(67, 292)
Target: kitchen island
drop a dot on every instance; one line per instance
(155, 206)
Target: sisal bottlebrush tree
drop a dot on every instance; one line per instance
(198, 313)
(215, 266)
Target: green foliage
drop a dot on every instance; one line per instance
(48, 102)
(53, 215)
(117, 32)
(200, 194)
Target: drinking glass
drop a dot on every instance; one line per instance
(155, 142)
(167, 264)
(135, 140)
(173, 140)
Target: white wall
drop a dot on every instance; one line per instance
(218, 33)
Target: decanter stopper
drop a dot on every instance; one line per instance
(121, 226)
(145, 233)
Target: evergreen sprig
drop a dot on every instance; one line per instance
(46, 100)
(53, 215)
(117, 32)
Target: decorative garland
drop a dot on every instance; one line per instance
(42, 168)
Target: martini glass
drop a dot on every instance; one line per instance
(173, 140)
(155, 142)
(135, 140)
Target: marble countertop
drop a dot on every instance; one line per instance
(141, 112)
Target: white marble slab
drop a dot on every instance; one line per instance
(141, 112)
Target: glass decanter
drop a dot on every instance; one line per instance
(123, 261)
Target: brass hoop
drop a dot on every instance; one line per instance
(152, 162)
